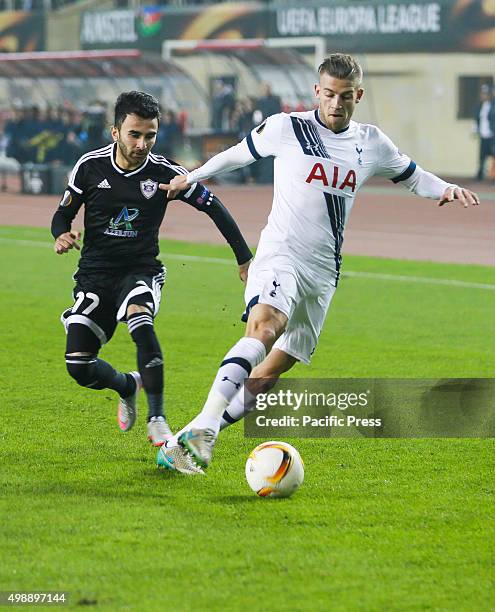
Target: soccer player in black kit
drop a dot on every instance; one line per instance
(119, 277)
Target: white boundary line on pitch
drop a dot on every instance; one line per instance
(402, 278)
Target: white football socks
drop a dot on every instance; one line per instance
(240, 405)
(234, 369)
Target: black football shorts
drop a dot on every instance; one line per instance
(101, 299)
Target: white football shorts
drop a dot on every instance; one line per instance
(301, 293)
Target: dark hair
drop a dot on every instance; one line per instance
(342, 66)
(137, 102)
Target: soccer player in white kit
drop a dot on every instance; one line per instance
(322, 158)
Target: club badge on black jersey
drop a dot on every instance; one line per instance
(148, 188)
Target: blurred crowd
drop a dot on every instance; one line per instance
(60, 135)
(239, 117)
(242, 115)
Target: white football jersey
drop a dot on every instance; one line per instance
(317, 174)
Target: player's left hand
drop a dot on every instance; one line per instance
(465, 196)
(177, 184)
(243, 271)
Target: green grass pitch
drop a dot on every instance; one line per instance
(377, 524)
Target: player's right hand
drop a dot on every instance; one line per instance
(244, 270)
(67, 241)
(465, 196)
(178, 183)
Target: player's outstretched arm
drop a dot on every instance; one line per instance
(263, 141)
(428, 185)
(465, 196)
(401, 169)
(229, 229)
(231, 159)
(201, 198)
(67, 241)
(65, 237)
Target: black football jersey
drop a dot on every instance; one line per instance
(123, 210)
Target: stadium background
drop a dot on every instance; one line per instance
(426, 58)
(424, 65)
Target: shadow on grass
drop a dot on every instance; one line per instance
(114, 489)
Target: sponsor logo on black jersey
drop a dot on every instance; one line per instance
(121, 225)
(66, 199)
(148, 188)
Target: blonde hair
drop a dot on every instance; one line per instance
(342, 66)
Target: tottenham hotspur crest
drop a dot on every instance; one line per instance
(359, 151)
(148, 188)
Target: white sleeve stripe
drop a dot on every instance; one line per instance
(159, 159)
(236, 157)
(104, 152)
(96, 153)
(76, 189)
